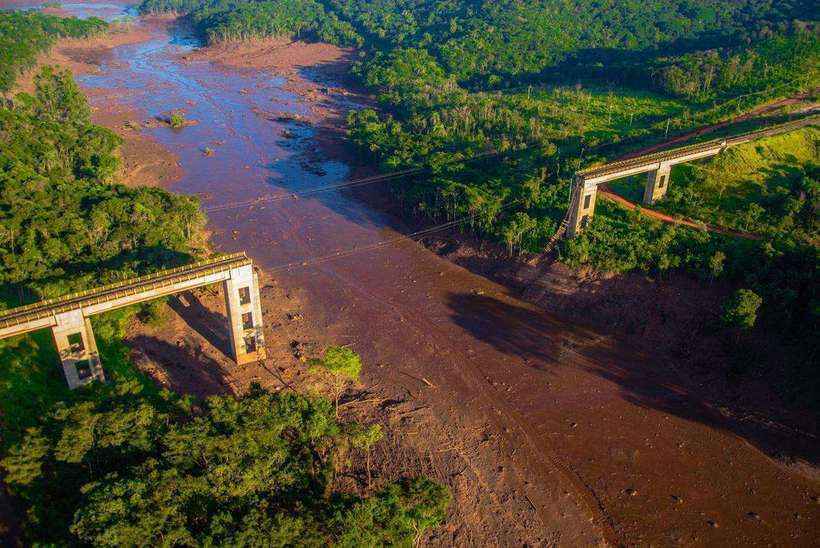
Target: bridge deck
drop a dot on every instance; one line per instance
(689, 150)
(112, 292)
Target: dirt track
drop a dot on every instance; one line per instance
(604, 191)
(547, 432)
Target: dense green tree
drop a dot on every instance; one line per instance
(740, 310)
(24, 35)
(343, 365)
(122, 466)
(64, 222)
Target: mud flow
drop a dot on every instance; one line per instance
(547, 432)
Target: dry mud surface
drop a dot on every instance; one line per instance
(144, 161)
(548, 431)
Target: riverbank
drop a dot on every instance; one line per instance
(545, 431)
(144, 162)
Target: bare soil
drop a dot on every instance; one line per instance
(144, 162)
(550, 429)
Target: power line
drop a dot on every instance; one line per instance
(357, 182)
(413, 236)
(299, 194)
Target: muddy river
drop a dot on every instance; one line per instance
(546, 432)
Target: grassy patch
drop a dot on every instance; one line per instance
(759, 186)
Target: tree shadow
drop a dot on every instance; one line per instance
(545, 343)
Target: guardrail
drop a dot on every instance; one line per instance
(671, 154)
(110, 292)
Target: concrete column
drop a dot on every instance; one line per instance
(582, 206)
(77, 348)
(244, 308)
(657, 183)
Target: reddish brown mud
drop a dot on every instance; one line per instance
(547, 432)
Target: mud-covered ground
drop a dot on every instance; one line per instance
(548, 428)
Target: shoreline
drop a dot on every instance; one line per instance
(480, 454)
(144, 161)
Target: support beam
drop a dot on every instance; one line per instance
(77, 348)
(244, 310)
(582, 206)
(657, 183)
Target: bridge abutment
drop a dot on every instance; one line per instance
(77, 348)
(657, 183)
(244, 309)
(582, 206)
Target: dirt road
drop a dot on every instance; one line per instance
(605, 191)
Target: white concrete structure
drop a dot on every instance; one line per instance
(68, 317)
(658, 167)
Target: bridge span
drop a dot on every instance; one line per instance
(68, 316)
(658, 166)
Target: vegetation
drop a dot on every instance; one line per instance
(223, 21)
(177, 120)
(64, 223)
(124, 465)
(343, 365)
(766, 187)
(23, 36)
(778, 60)
(741, 309)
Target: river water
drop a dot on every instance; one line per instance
(594, 438)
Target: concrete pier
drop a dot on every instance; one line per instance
(68, 316)
(77, 348)
(244, 315)
(582, 206)
(657, 183)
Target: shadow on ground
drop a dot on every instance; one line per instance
(186, 370)
(213, 326)
(544, 343)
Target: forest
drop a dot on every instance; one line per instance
(111, 463)
(124, 461)
(65, 222)
(24, 35)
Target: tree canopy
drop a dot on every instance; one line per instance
(24, 35)
(64, 222)
(120, 466)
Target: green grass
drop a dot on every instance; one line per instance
(749, 187)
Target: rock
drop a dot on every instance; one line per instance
(713, 524)
(630, 491)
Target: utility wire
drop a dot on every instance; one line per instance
(413, 236)
(357, 182)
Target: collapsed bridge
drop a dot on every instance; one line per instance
(658, 166)
(68, 317)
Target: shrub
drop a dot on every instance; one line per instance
(177, 120)
(740, 310)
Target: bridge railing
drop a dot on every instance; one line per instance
(110, 292)
(671, 154)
